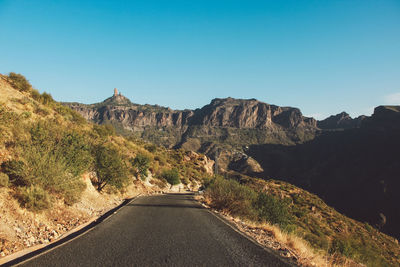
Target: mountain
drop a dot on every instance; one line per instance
(340, 121)
(224, 123)
(350, 163)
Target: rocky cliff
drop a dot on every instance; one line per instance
(230, 120)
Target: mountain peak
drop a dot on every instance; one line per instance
(340, 121)
(117, 99)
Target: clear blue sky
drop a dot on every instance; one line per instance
(321, 56)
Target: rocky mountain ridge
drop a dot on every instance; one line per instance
(215, 122)
(340, 121)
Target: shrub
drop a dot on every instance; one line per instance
(104, 130)
(141, 163)
(49, 169)
(35, 94)
(342, 246)
(172, 176)
(69, 114)
(273, 210)
(52, 160)
(46, 99)
(76, 117)
(151, 148)
(208, 180)
(110, 168)
(34, 198)
(26, 114)
(4, 180)
(231, 196)
(77, 152)
(6, 117)
(19, 82)
(41, 111)
(16, 171)
(45, 135)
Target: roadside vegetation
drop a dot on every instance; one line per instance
(49, 147)
(303, 219)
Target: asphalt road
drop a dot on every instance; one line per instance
(166, 230)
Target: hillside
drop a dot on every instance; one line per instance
(57, 171)
(300, 214)
(355, 170)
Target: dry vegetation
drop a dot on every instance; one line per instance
(302, 222)
(57, 171)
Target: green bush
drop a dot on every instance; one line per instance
(172, 176)
(241, 200)
(76, 151)
(49, 169)
(26, 114)
(34, 198)
(231, 196)
(52, 160)
(4, 180)
(273, 210)
(6, 117)
(141, 164)
(19, 82)
(45, 135)
(41, 111)
(69, 114)
(104, 130)
(16, 171)
(151, 148)
(342, 246)
(46, 99)
(35, 94)
(110, 168)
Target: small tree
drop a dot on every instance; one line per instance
(110, 168)
(141, 164)
(172, 176)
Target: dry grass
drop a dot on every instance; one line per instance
(272, 236)
(298, 247)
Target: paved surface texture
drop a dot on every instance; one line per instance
(165, 230)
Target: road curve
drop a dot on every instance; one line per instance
(165, 230)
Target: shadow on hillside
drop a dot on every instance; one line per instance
(355, 171)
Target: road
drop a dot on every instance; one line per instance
(165, 230)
